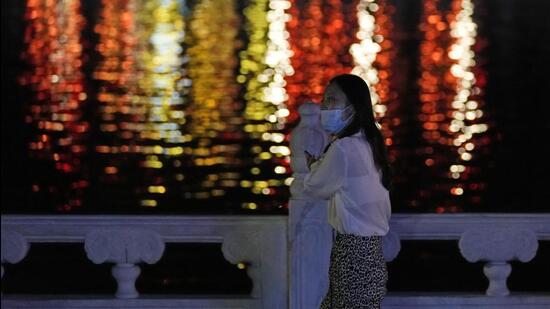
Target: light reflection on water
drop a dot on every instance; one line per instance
(193, 105)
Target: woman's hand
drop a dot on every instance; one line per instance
(310, 159)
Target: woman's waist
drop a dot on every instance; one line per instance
(351, 235)
(360, 203)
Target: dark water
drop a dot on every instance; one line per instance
(508, 172)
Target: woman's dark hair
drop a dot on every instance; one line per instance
(358, 94)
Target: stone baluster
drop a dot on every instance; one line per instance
(310, 235)
(243, 247)
(125, 247)
(14, 248)
(265, 254)
(497, 246)
(391, 245)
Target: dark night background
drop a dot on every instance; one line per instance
(516, 59)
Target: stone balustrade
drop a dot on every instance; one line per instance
(260, 242)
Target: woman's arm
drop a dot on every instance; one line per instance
(326, 175)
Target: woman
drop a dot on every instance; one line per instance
(354, 174)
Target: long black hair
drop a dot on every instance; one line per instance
(358, 94)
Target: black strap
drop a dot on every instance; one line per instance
(327, 146)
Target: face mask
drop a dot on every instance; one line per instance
(331, 120)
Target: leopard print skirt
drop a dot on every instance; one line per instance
(357, 273)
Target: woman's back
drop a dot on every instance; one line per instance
(364, 201)
(363, 176)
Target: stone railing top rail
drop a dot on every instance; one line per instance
(172, 228)
(211, 228)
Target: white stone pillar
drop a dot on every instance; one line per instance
(310, 235)
(497, 246)
(125, 247)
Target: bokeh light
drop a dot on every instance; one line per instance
(171, 101)
(451, 96)
(142, 94)
(57, 99)
(320, 41)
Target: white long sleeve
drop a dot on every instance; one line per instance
(327, 174)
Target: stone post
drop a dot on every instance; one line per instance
(497, 246)
(14, 248)
(310, 235)
(125, 247)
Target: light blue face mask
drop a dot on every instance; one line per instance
(331, 119)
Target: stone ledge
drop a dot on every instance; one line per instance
(144, 302)
(394, 300)
(405, 300)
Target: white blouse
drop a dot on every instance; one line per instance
(346, 175)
